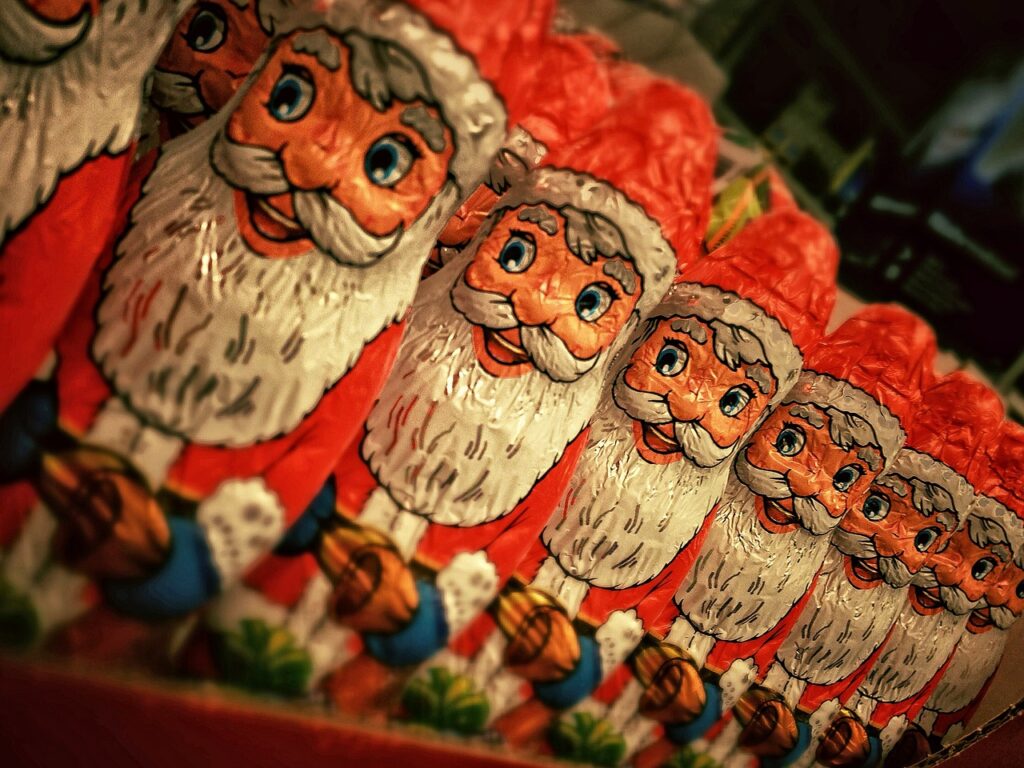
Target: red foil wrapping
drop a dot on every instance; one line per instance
(227, 350)
(75, 72)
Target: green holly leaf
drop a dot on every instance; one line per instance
(446, 702)
(688, 758)
(259, 657)
(741, 201)
(583, 738)
(19, 622)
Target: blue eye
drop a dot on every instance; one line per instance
(293, 94)
(735, 400)
(672, 359)
(790, 440)
(594, 301)
(925, 539)
(876, 506)
(206, 30)
(983, 568)
(517, 253)
(844, 479)
(390, 159)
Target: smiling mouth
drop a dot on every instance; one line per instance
(505, 347)
(926, 601)
(272, 223)
(980, 619)
(660, 438)
(778, 514)
(866, 569)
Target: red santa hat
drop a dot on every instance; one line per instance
(957, 418)
(554, 91)
(874, 368)
(776, 280)
(1003, 466)
(496, 33)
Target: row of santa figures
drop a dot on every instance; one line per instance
(409, 361)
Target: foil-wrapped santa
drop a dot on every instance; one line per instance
(815, 457)
(909, 515)
(71, 75)
(479, 429)
(719, 351)
(217, 366)
(977, 655)
(942, 595)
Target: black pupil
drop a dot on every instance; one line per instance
(202, 28)
(667, 359)
(731, 399)
(845, 476)
(1020, 590)
(514, 253)
(924, 539)
(589, 300)
(285, 96)
(980, 570)
(786, 441)
(382, 159)
(874, 506)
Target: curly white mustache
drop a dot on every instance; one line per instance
(954, 599)
(696, 443)
(813, 515)
(547, 351)
(176, 92)
(1002, 616)
(893, 570)
(27, 37)
(330, 225)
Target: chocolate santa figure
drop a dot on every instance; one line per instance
(252, 309)
(280, 596)
(214, 48)
(910, 513)
(813, 458)
(71, 74)
(981, 644)
(720, 349)
(942, 596)
(475, 436)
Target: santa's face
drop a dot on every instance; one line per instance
(341, 157)
(546, 301)
(1004, 601)
(801, 478)
(685, 402)
(887, 538)
(212, 51)
(956, 578)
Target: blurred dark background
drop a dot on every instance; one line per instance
(900, 124)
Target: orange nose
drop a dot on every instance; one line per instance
(887, 545)
(312, 165)
(534, 307)
(944, 562)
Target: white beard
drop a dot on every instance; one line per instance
(235, 348)
(746, 579)
(83, 103)
(454, 444)
(624, 518)
(919, 646)
(840, 627)
(974, 661)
